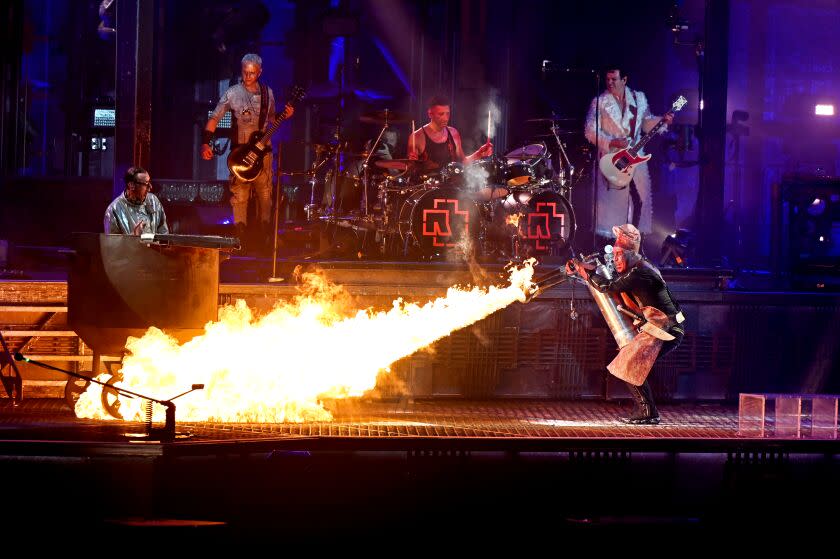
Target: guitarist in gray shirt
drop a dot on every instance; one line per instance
(252, 105)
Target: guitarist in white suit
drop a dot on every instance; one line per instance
(252, 105)
(624, 115)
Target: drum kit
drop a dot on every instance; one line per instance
(507, 207)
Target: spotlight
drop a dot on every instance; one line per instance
(676, 248)
(817, 207)
(824, 110)
(679, 25)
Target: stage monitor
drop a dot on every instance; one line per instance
(224, 122)
(104, 118)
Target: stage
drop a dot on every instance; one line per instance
(509, 425)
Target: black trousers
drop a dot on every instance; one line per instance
(668, 347)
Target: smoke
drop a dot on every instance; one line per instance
(491, 107)
(476, 177)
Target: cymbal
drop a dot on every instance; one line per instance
(381, 117)
(559, 133)
(405, 164)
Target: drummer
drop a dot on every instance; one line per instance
(440, 143)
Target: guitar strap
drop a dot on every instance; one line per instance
(263, 104)
(634, 110)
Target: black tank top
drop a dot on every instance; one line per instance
(441, 153)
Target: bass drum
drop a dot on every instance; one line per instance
(438, 221)
(544, 219)
(343, 194)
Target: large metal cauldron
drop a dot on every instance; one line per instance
(119, 286)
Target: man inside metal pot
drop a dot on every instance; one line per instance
(136, 210)
(658, 318)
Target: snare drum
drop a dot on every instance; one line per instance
(526, 164)
(452, 174)
(483, 178)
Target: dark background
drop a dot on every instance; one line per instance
(781, 58)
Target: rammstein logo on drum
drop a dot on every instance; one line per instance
(438, 222)
(540, 223)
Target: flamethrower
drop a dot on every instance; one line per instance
(610, 304)
(167, 434)
(547, 281)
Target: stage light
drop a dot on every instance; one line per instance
(676, 248)
(817, 207)
(680, 25)
(824, 110)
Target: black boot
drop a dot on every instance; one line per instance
(266, 239)
(241, 232)
(645, 412)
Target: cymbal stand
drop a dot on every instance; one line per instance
(312, 180)
(563, 155)
(339, 149)
(336, 167)
(365, 165)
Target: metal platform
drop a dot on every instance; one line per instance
(391, 472)
(358, 425)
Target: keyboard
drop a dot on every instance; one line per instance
(201, 241)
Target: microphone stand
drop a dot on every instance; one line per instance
(549, 66)
(595, 158)
(274, 278)
(15, 390)
(168, 432)
(338, 148)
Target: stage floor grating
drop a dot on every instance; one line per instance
(47, 426)
(508, 419)
(51, 419)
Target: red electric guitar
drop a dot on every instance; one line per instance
(618, 167)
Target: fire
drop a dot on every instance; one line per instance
(278, 367)
(513, 219)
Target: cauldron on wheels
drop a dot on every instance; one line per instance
(120, 285)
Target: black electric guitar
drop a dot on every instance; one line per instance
(246, 161)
